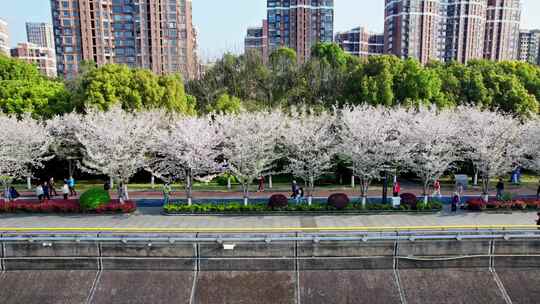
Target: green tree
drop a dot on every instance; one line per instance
(132, 89)
(226, 104)
(23, 89)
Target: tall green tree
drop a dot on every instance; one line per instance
(23, 89)
(132, 89)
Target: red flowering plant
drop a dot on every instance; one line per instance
(62, 206)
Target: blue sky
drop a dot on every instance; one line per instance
(222, 23)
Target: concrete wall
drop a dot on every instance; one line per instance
(124, 253)
(167, 271)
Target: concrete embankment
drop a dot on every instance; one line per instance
(270, 268)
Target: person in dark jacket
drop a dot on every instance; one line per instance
(500, 189)
(455, 202)
(538, 191)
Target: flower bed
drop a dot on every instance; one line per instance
(238, 208)
(478, 204)
(63, 206)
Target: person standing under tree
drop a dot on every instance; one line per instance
(261, 184)
(65, 190)
(52, 186)
(538, 191)
(166, 193)
(500, 189)
(39, 192)
(396, 189)
(437, 188)
(46, 193)
(71, 185)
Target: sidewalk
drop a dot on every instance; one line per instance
(152, 218)
(235, 194)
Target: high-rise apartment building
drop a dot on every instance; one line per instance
(529, 46)
(299, 24)
(4, 38)
(360, 42)
(153, 34)
(502, 30)
(257, 39)
(40, 34)
(412, 29)
(42, 57)
(464, 23)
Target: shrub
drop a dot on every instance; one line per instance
(338, 201)
(94, 198)
(476, 204)
(520, 205)
(409, 200)
(223, 178)
(532, 203)
(277, 201)
(117, 207)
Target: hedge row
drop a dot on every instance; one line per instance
(63, 206)
(262, 208)
(478, 204)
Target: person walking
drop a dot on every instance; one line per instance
(46, 193)
(500, 189)
(52, 187)
(39, 192)
(294, 188)
(261, 184)
(437, 188)
(459, 191)
(166, 193)
(396, 189)
(455, 202)
(65, 190)
(13, 193)
(71, 185)
(300, 195)
(538, 191)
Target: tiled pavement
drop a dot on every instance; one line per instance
(152, 218)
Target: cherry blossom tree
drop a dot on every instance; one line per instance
(310, 144)
(433, 135)
(491, 141)
(65, 144)
(249, 144)
(186, 149)
(116, 143)
(373, 139)
(24, 144)
(531, 141)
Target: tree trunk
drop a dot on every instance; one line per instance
(29, 183)
(152, 182)
(270, 184)
(120, 190)
(426, 190)
(228, 183)
(245, 189)
(352, 182)
(475, 179)
(485, 187)
(111, 182)
(364, 190)
(189, 186)
(311, 190)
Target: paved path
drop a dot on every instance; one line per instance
(152, 218)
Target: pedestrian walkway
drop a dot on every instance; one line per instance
(152, 218)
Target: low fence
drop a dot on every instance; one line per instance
(276, 249)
